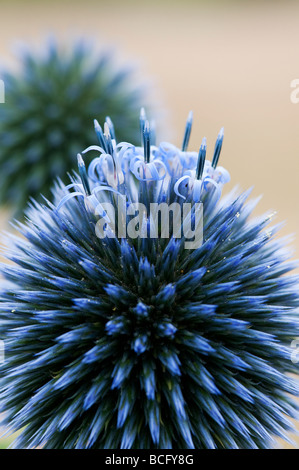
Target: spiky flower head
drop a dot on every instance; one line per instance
(50, 104)
(116, 341)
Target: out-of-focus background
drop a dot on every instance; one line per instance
(231, 62)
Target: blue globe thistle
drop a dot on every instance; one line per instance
(138, 342)
(50, 105)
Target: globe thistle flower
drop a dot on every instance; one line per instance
(137, 342)
(49, 105)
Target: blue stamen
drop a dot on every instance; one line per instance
(201, 159)
(99, 134)
(187, 131)
(142, 120)
(147, 142)
(217, 149)
(83, 174)
(111, 127)
(107, 136)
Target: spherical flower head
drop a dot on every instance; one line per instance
(51, 102)
(122, 338)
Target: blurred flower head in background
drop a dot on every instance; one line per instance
(51, 100)
(139, 343)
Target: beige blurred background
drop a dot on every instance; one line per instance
(231, 62)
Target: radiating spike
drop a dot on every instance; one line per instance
(201, 159)
(187, 131)
(218, 147)
(140, 344)
(83, 174)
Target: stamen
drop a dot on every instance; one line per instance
(111, 127)
(217, 149)
(147, 142)
(107, 136)
(83, 174)
(142, 120)
(100, 135)
(187, 131)
(201, 159)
